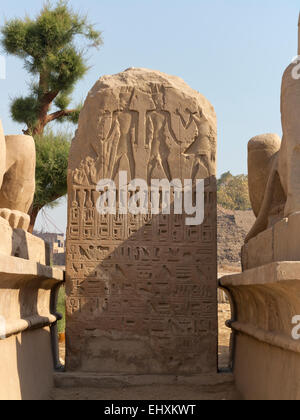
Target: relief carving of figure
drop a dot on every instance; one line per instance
(87, 173)
(170, 138)
(124, 124)
(159, 137)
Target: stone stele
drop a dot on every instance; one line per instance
(141, 289)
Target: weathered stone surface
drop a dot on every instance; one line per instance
(6, 238)
(289, 156)
(19, 243)
(262, 151)
(29, 247)
(89, 380)
(268, 198)
(88, 387)
(141, 290)
(259, 250)
(286, 239)
(278, 243)
(267, 358)
(17, 178)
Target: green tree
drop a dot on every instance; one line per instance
(233, 192)
(48, 46)
(224, 179)
(51, 169)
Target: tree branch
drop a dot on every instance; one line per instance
(60, 114)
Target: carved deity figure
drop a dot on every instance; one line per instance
(17, 178)
(177, 135)
(160, 138)
(124, 130)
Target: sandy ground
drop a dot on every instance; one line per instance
(162, 392)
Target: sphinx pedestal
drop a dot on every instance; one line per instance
(265, 301)
(28, 294)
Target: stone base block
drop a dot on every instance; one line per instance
(29, 247)
(21, 244)
(267, 357)
(279, 243)
(26, 366)
(85, 380)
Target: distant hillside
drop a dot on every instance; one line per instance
(233, 226)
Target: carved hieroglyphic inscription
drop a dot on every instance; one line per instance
(141, 289)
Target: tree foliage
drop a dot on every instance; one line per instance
(48, 46)
(51, 166)
(233, 192)
(51, 169)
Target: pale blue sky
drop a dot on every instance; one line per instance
(232, 51)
